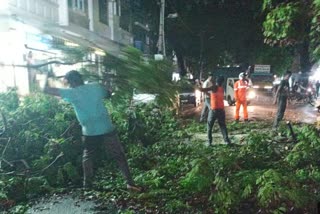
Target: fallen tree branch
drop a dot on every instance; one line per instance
(24, 162)
(2, 155)
(69, 127)
(55, 160)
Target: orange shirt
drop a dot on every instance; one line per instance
(240, 90)
(216, 99)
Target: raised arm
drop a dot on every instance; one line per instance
(49, 90)
(277, 93)
(212, 88)
(52, 91)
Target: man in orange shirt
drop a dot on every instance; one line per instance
(240, 95)
(217, 111)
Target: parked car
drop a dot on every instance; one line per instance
(144, 98)
(189, 95)
(141, 97)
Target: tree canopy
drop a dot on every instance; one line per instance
(216, 33)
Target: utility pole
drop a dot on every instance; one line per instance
(161, 41)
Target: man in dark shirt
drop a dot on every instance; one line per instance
(217, 111)
(281, 98)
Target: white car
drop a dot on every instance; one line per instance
(229, 92)
(144, 98)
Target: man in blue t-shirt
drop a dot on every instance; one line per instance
(97, 128)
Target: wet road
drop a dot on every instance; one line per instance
(259, 111)
(63, 204)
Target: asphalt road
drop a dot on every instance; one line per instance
(263, 110)
(63, 204)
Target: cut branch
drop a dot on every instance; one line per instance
(55, 160)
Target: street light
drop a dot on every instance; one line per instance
(145, 27)
(172, 16)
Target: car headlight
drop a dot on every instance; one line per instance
(251, 95)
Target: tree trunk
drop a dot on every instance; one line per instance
(181, 67)
(304, 57)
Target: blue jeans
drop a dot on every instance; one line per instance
(220, 115)
(206, 107)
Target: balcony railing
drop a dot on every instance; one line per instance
(44, 9)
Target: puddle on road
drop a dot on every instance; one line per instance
(63, 204)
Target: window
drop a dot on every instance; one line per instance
(77, 5)
(103, 11)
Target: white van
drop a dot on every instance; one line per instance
(229, 91)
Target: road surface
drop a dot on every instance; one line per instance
(303, 113)
(71, 203)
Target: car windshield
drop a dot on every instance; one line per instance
(261, 79)
(187, 89)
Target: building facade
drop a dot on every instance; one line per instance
(28, 28)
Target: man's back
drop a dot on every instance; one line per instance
(88, 104)
(217, 98)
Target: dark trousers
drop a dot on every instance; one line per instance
(95, 149)
(282, 104)
(205, 109)
(220, 115)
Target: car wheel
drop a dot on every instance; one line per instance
(229, 101)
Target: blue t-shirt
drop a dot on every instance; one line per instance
(87, 101)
